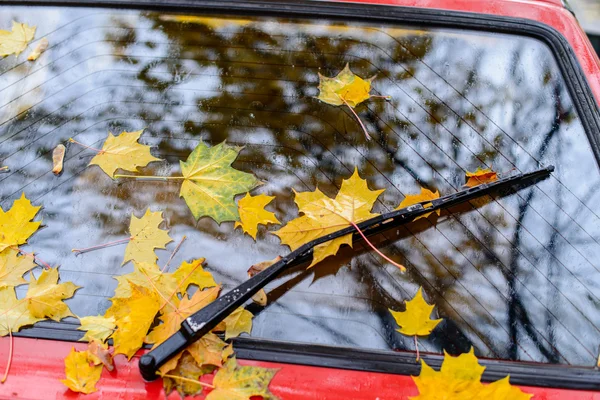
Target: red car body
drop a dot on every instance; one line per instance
(38, 365)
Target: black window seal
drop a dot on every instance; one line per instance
(402, 363)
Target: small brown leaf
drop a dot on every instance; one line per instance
(38, 50)
(58, 155)
(99, 354)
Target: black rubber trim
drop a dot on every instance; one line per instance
(543, 375)
(399, 362)
(404, 363)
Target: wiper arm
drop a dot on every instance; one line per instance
(204, 320)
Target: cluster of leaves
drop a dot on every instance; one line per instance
(149, 303)
(150, 292)
(44, 297)
(459, 378)
(17, 39)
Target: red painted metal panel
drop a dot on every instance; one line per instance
(548, 12)
(38, 366)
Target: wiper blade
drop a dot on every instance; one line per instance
(204, 320)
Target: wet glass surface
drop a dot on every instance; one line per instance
(516, 278)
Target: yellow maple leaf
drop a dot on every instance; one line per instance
(14, 313)
(238, 322)
(459, 378)
(38, 50)
(252, 212)
(241, 382)
(210, 183)
(415, 320)
(123, 152)
(425, 195)
(13, 267)
(81, 375)
(16, 225)
(97, 327)
(146, 237)
(147, 275)
(192, 273)
(16, 40)
(344, 88)
(480, 176)
(323, 215)
(172, 319)
(133, 317)
(45, 296)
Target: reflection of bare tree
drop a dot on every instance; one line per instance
(458, 103)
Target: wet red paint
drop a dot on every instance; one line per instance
(38, 366)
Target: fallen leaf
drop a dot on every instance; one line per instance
(146, 237)
(45, 296)
(480, 176)
(415, 321)
(81, 376)
(252, 212)
(227, 352)
(345, 87)
(98, 354)
(58, 155)
(182, 377)
(14, 313)
(172, 319)
(323, 215)
(133, 316)
(210, 183)
(208, 350)
(235, 382)
(123, 152)
(238, 322)
(460, 378)
(425, 195)
(15, 41)
(13, 267)
(146, 275)
(97, 327)
(260, 297)
(192, 273)
(16, 225)
(38, 50)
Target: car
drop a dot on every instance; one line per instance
(324, 167)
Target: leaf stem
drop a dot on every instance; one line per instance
(36, 259)
(357, 118)
(159, 292)
(100, 246)
(417, 347)
(10, 356)
(380, 97)
(86, 146)
(149, 177)
(402, 267)
(208, 385)
(173, 254)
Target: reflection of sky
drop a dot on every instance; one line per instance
(460, 101)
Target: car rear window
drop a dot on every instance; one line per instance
(516, 278)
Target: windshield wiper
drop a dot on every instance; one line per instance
(204, 320)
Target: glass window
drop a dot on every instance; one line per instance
(516, 278)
